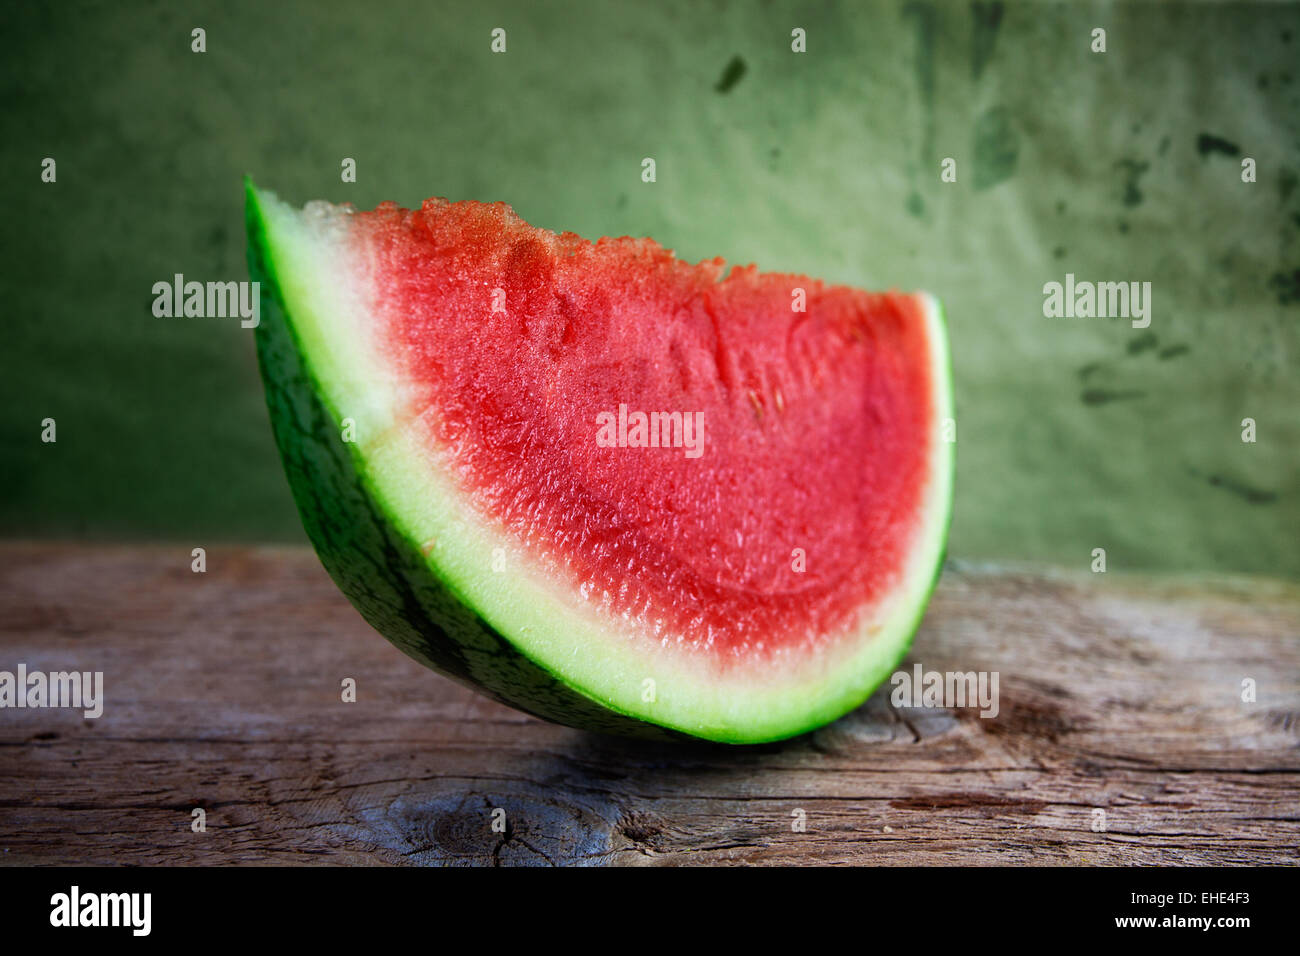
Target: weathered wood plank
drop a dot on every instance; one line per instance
(1120, 693)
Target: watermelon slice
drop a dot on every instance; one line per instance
(605, 486)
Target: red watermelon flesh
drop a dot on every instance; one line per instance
(702, 546)
(792, 533)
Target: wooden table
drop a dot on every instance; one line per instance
(223, 692)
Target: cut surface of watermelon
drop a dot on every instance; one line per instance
(606, 486)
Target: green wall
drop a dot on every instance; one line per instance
(1072, 433)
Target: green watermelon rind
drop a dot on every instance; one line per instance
(359, 507)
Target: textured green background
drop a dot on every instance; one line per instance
(1073, 434)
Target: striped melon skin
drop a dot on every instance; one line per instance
(410, 566)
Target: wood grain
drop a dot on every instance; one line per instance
(223, 692)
